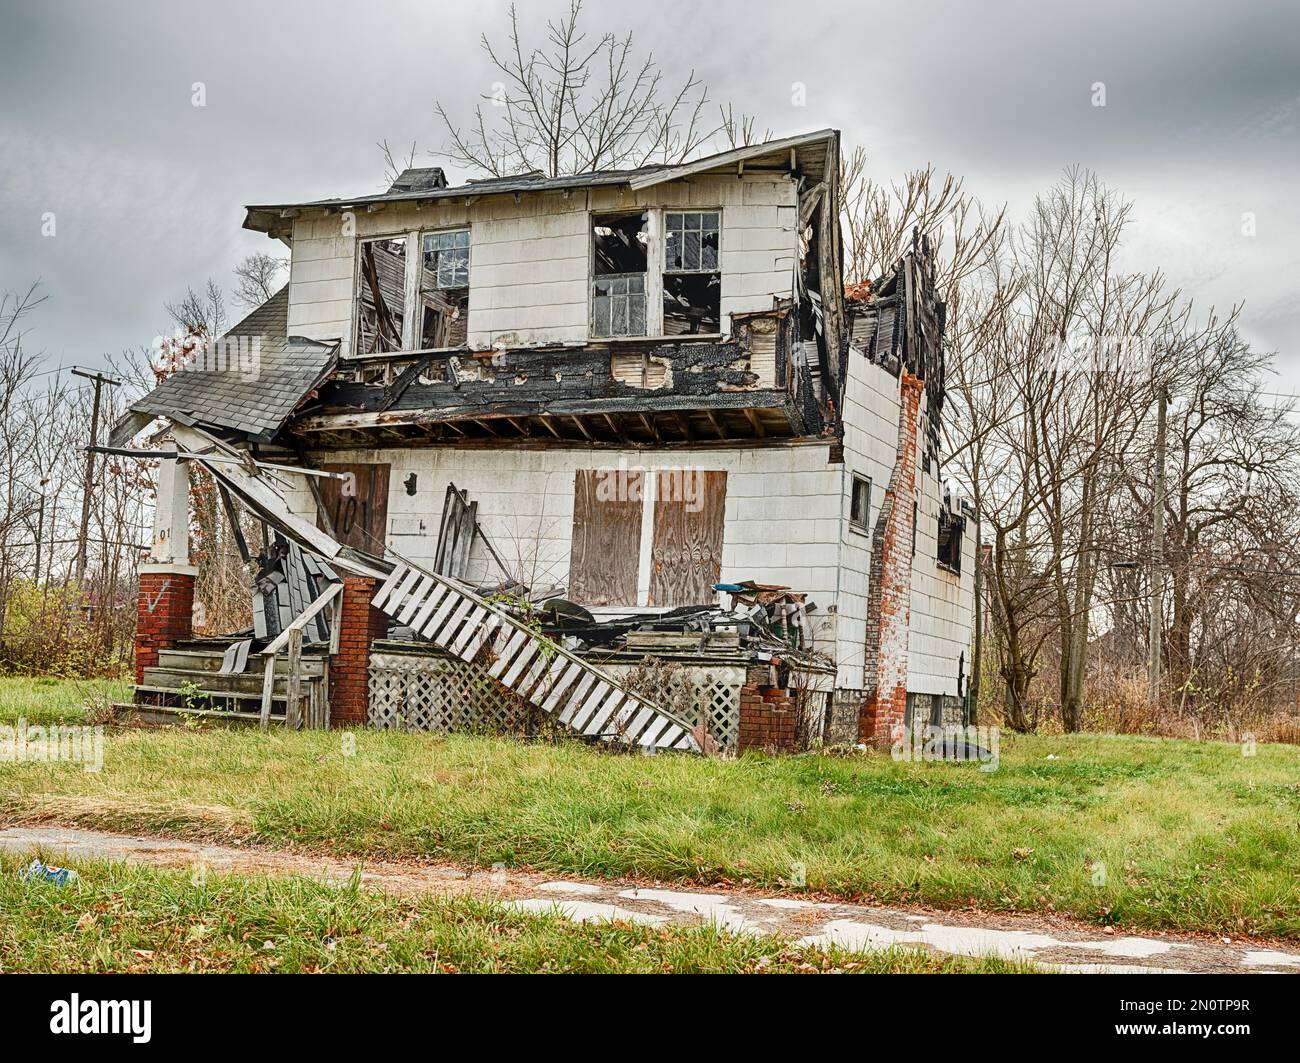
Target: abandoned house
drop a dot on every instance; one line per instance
(508, 439)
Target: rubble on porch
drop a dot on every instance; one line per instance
(722, 665)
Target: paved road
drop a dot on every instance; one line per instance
(1054, 943)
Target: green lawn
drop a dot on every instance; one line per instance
(1143, 832)
(47, 700)
(121, 918)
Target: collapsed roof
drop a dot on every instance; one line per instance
(250, 381)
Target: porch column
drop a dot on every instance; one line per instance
(360, 623)
(165, 602)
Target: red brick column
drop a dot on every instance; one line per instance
(889, 594)
(164, 612)
(767, 720)
(361, 624)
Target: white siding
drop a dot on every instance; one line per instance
(871, 399)
(530, 260)
(781, 521)
(942, 603)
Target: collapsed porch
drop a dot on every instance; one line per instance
(427, 651)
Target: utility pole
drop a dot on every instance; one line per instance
(100, 380)
(1158, 548)
(40, 530)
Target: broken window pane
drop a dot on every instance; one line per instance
(691, 242)
(381, 295)
(692, 303)
(444, 289)
(618, 305)
(692, 283)
(618, 265)
(951, 527)
(619, 244)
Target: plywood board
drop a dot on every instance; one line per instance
(686, 558)
(606, 536)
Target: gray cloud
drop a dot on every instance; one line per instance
(1201, 126)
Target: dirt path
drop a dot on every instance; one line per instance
(1053, 943)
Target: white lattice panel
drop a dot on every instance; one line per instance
(716, 698)
(437, 693)
(427, 693)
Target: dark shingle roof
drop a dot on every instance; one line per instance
(258, 376)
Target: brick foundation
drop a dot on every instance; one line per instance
(889, 598)
(164, 612)
(767, 720)
(361, 624)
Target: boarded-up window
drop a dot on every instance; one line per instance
(356, 506)
(686, 560)
(606, 550)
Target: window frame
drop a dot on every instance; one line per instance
(358, 280)
(411, 295)
(957, 523)
(654, 275)
(700, 212)
(862, 527)
(417, 290)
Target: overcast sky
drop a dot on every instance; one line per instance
(1201, 124)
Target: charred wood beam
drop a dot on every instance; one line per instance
(755, 423)
(614, 427)
(582, 427)
(650, 427)
(404, 379)
(684, 423)
(717, 424)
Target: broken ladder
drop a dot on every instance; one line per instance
(577, 694)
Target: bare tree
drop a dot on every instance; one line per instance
(577, 103)
(395, 163)
(257, 279)
(878, 222)
(200, 313)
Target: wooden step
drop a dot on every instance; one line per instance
(178, 714)
(247, 682)
(230, 697)
(580, 695)
(209, 661)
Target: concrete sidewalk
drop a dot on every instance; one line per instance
(1052, 943)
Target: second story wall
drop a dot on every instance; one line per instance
(530, 261)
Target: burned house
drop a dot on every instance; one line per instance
(613, 414)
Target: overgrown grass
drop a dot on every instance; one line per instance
(123, 918)
(45, 699)
(1146, 832)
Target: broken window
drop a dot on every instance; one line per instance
(618, 283)
(381, 295)
(860, 503)
(951, 527)
(692, 281)
(444, 290)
